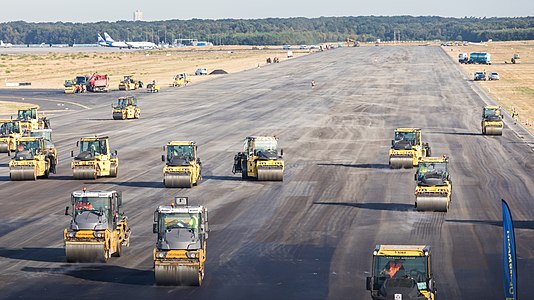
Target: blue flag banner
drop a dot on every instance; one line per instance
(509, 259)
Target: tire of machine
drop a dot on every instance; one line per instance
(118, 253)
(114, 170)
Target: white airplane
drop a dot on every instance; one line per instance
(3, 45)
(136, 45)
(110, 42)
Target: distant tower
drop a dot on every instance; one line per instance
(138, 15)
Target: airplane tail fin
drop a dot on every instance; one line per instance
(99, 38)
(108, 38)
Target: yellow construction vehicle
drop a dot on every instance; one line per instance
(29, 119)
(181, 80)
(182, 169)
(152, 87)
(95, 159)
(70, 87)
(434, 185)
(98, 228)
(180, 251)
(492, 123)
(515, 59)
(33, 158)
(402, 272)
(128, 83)
(352, 42)
(126, 108)
(260, 159)
(407, 148)
(10, 132)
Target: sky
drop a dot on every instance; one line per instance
(105, 10)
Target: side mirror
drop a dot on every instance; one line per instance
(155, 228)
(78, 144)
(72, 154)
(369, 283)
(431, 286)
(156, 217)
(8, 153)
(66, 211)
(163, 148)
(115, 153)
(198, 161)
(415, 177)
(162, 157)
(282, 152)
(392, 143)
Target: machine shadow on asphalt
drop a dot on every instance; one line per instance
(359, 166)
(224, 178)
(5, 178)
(100, 273)
(146, 184)
(456, 133)
(517, 224)
(373, 206)
(52, 255)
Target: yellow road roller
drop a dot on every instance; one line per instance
(69, 87)
(492, 123)
(407, 148)
(29, 119)
(129, 83)
(126, 108)
(152, 87)
(33, 158)
(434, 185)
(10, 132)
(260, 159)
(183, 168)
(180, 80)
(180, 251)
(402, 272)
(94, 159)
(98, 228)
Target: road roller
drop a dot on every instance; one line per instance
(492, 123)
(10, 131)
(180, 251)
(402, 272)
(29, 117)
(407, 148)
(98, 228)
(33, 158)
(94, 159)
(183, 168)
(260, 159)
(126, 108)
(434, 185)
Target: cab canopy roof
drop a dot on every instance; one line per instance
(402, 250)
(441, 159)
(181, 143)
(407, 129)
(94, 138)
(93, 194)
(262, 138)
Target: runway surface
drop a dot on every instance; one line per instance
(312, 235)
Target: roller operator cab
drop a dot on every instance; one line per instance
(95, 159)
(260, 159)
(402, 272)
(98, 227)
(126, 108)
(69, 87)
(180, 252)
(183, 169)
(492, 120)
(434, 185)
(34, 157)
(10, 132)
(407, 147)
(29, 119)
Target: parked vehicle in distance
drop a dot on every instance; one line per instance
(479, 76)
(479, 58)
(463, 58)
(494, 76)
(201, 71)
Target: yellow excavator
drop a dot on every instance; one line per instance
(492, 123)
(33, 158)
(94, 159)
(180, 252)
(434, 184)
(183, 168)
(29, 118)
(407, 148)
(10, 132)
(126, 108)
(402, 272)
(260, 159)
(98, 228)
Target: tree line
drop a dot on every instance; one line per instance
(272, 31)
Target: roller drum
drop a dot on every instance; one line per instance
(94, 252)
(270, 174)
(490, 130)
(401, 162)
(170, 274)
(4, 148)
(22, 173)
(426, 203)
(117, 116)
(177, 180)
(84, 173)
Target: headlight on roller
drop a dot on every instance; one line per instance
(161, 255)
(191, 254)
(71, 234)
(98, 234)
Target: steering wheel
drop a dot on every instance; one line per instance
(416, 274)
